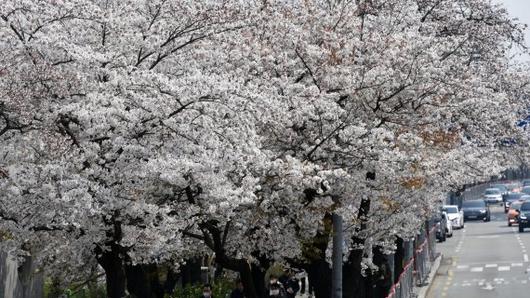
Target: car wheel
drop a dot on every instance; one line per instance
(444, 238)
(521, 229)
(509, 224)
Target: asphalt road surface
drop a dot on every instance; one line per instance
(485, 259)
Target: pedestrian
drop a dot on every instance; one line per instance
(239, 291)
(290, 284)
(207, 291)
(275, 288)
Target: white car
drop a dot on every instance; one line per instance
(493, 196)
(454, 215)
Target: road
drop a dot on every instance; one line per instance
(485, 259)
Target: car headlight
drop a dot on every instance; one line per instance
(482, 211)
(522, 216)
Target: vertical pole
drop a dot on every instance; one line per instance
(336, 282)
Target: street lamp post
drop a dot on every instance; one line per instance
(338, 240)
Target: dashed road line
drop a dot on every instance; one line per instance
(503, 268)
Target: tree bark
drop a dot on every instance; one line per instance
(143, 281)
(399, 258)
(114, 272)
(319, 275)
(191, 272)
(354, 282)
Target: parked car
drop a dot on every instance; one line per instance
(441, 226)
(511, 197)
(455, 216)
(493, 196)
(526, 190)
(526, 182)
(523, 214)
(512, 212)
(476, 209)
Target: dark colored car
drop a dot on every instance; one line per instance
(476, 209)
(523, 215)
(510, 198)
(526, 182)
(441, 226)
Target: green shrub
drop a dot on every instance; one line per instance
(221, 288)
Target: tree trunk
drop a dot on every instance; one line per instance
(191, 272)
(383, 277)
(245, 272)
(143, 282)
(114, 272)
(319, 274)
(258, 277)
(246, 275)
(399, 258)
(354, 283)
(172, 278)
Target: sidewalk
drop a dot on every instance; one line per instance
(421, 292)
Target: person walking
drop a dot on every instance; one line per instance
(207, 291)
(275, 288)
(290, 284)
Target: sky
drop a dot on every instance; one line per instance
(519, 9)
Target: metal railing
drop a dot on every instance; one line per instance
(417, 269)
(404, 287)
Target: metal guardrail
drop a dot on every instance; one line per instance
(417, 269)
(404, 288)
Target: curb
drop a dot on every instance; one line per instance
(425, 289)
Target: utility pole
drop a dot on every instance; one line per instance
(338, 242)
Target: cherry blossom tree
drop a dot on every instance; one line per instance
(140, 134)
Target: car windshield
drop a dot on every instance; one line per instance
(500, 187)
(492, 191)
(525, 206)
(473, 204)
(451, 209)
(513, 196)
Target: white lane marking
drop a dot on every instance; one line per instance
(477, 269)
(524, 281)
(488, 237)
(498, 280)
(488, 287)
(462, 267)
(504, 268)
(491, 265)
(525, 257)
(517, 264)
